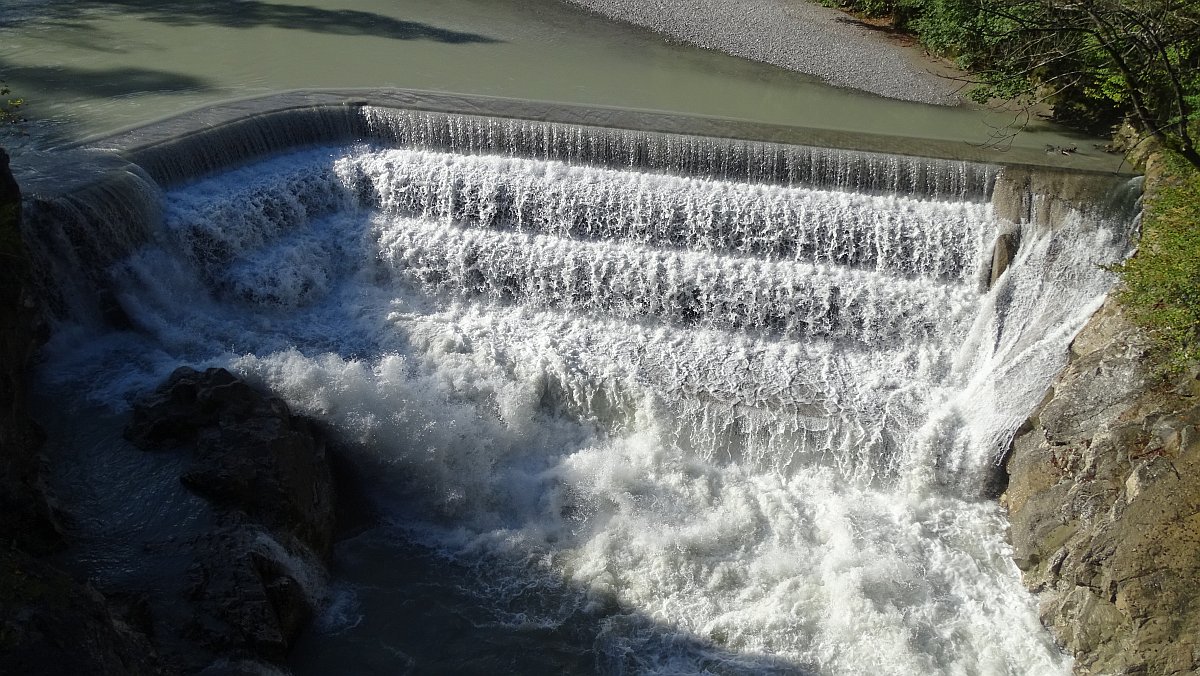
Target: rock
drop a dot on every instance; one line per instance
(242, 668)
(249, 452)
(28, 517)
(1104, 505)
(1003, 254)
(248, 595)
(255, 577)
(51, 625)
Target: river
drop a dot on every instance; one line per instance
(90, 66)
(627, 402)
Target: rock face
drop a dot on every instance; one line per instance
(49, 622)
(254, 577)
(27, 518)
(1104, 501)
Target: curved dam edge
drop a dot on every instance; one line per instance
(123, 172)
(191, 144)
(136, 141)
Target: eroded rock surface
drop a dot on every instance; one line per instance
(249, 453)
(255, 576)
(1104, 501)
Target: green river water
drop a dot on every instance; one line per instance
(86, 67)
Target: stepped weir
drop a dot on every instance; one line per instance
(738, 403)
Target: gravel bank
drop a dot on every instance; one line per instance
(794, 34)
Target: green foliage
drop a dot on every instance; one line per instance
(867, 8)
(9, 107)
(1095, 62)
(1160, 286)
(944, 26)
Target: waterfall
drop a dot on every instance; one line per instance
(736, 392)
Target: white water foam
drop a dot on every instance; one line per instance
(647, 389)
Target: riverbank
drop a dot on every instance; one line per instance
(801, 36)
(1103, 497)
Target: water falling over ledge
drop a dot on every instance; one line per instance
(732, 402)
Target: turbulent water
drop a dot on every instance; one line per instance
(658, 421)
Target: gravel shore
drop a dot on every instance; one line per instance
(799, 35)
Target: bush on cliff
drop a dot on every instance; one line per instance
(1160, 286)
(9, 107)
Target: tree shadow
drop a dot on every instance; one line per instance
(256, 13)
(40, 127)
(104, 83)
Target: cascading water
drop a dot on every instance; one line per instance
(691, 406)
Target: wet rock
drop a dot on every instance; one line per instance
(249, 593)
(1104, 502)
(255, 577)
(1003, 254)
(50, 625)
(29, 518)
(250, 454)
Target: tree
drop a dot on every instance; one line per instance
(1095, 60)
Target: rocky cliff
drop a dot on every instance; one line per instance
(49, 622)
(27, 519)
(250, 581)
(1104, 501)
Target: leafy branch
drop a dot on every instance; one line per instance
(9, 107)
(1094, 62)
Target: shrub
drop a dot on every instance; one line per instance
(1160, 286)
(9, 107)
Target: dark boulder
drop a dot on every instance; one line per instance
(250, 597)
(249, 453)
(50, 625)
(255, 576)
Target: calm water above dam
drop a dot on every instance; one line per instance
(89, 66)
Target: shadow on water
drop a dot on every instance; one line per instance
(101, 83)
(41, 128)
(255, 13)
(397, 607)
